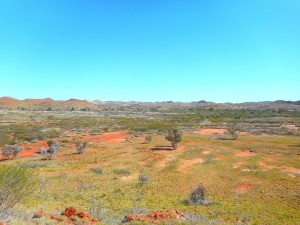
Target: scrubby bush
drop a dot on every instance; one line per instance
(174, 136)
(97, 170)
(233, 132)
(50, 143)
(42, 151)
(121, 171)
(81, 146)
(148, 138)
(143, 179)
(11, 150)
(197, 196)
(16, 183)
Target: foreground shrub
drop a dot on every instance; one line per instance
(16, 183)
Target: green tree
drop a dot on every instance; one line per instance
(174, 136)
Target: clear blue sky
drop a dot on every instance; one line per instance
(233, 50)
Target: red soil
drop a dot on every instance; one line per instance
(106, 138)
(32, 151)
(155, 216)
(245, 153)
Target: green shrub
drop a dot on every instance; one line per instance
(16, 183)
(121, 171)
(97, 170)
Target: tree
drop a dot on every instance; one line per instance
(233, 132)
(53, 148)
(16, 183)
(50, 143)
(81, 146)
(174, 136)
(8, 150)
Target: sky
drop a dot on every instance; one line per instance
(171, 50)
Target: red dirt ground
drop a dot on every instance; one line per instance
(106, 138)
(245, 153)
(211, 131)
(154, 216)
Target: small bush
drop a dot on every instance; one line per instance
(121, 171)
(143, 179)
(148, 138)
(197, 196)
(52, 151)
(81, 147)
(97, 170)
(42, 151)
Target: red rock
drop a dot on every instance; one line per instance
(83, 215)
(71, 211)
(38, 214)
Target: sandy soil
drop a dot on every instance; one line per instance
(206, 152)
(211, 131)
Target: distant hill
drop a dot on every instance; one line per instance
(46, 103)
(77, 104)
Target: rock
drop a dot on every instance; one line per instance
(83, 215)
(38, 214)
(70, 211)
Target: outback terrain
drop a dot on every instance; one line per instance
(112, 163)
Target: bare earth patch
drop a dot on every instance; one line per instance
(206, 152)
(237, 164)
(219, 158)
(243, 188)
(292, 171)
(188, 163)
(130, 177)
(212, 131)
(245, 153)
